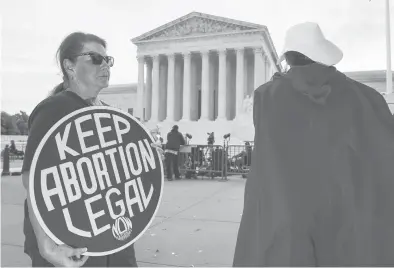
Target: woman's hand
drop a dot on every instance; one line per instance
(61, 255)
(58, 255)
(159, 149)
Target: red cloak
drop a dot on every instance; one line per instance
(320, 191)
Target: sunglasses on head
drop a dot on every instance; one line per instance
(97, 59)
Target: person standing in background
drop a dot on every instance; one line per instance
(174, 141)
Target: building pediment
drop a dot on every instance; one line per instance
(197, 24)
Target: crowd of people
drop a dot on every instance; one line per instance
(320, 187)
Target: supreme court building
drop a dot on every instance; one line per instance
(201, 68)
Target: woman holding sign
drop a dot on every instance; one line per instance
(86, 71)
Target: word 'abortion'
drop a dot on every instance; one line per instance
(128, 162)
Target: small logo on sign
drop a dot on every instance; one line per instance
(122, 228)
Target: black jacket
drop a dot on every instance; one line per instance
(174, 140)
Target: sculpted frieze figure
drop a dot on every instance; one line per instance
(196, 26)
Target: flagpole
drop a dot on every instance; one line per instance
(389, 74)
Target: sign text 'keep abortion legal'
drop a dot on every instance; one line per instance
(96, 181)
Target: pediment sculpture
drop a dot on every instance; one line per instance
(197, 26)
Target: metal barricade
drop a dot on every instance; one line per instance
(19, 155)
(202, 161)
(239, 159)
(215, 161)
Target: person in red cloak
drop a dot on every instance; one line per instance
(320, 191)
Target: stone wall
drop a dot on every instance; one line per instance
(123, 101)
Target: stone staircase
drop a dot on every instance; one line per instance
(241, 129)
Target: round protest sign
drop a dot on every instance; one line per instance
(95, 180)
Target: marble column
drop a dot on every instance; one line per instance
(267, 70)
(240, 81)
(212, 86)
(186, 86)
(148, 95)
(264, 71)
(222, 87)
(178, 88)
(195, 87)
(163, 70)
(248, 73)
(140, 90)
(205, 85)
(259, 68)
(155, 88)
(171, 88)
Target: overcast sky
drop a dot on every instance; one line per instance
(33, 29)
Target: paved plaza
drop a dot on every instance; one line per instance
(196, 224)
